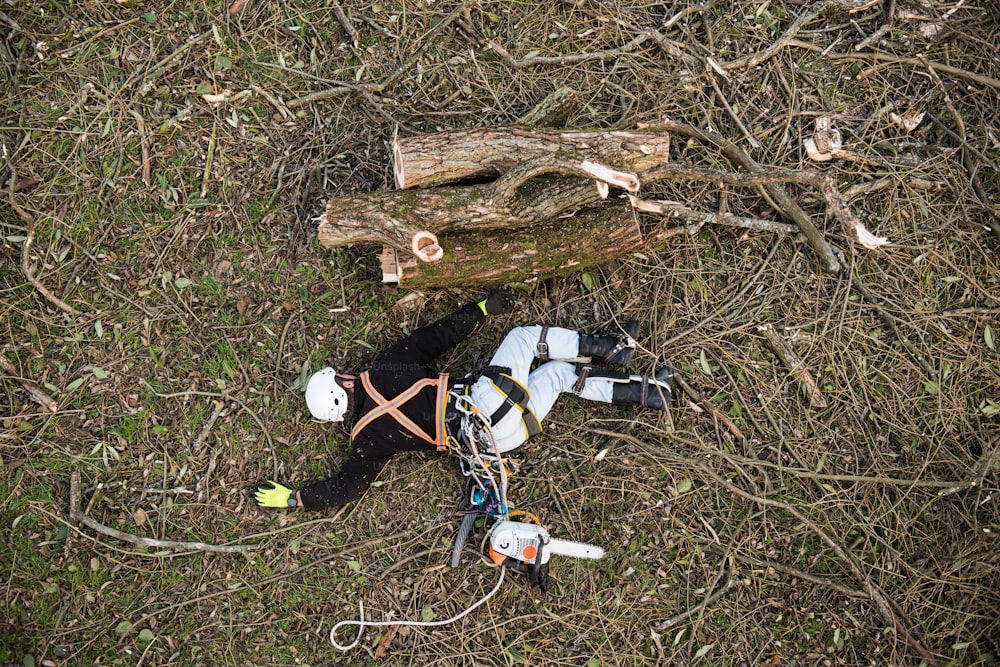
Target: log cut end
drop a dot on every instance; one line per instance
(425, 246)
(398, 170)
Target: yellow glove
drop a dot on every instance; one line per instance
(272, 494)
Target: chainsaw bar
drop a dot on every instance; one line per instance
(574, 549)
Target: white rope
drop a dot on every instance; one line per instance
(465, 405)
(362, 623)
(471, 412)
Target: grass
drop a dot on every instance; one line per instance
(225, 296)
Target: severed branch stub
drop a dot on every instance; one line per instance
(77, 514)
(677, 210)
(795, 367)
(553, 110)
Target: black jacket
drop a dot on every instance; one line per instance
(392, 372)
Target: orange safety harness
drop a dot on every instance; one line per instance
(392, 407)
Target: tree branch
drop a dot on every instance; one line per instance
(738, 156)
(76, 514)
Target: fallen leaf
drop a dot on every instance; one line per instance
(238, 7)
(386, 641)
(931, 30)
(25, 183)
(703, 651)
(411, 300)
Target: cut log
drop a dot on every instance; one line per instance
(399, 217)
(458, 155)
(541, 251)
(565, 246)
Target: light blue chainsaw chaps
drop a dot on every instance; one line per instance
(518, 351)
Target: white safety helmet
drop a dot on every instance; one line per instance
(326, 399)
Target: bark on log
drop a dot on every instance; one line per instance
(553, 110)
(398, 217)
(542, 251)
(453, 156)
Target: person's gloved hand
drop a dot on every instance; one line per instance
(271, 494)
(499, 302)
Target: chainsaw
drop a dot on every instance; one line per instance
(524, 548)
(529, 544)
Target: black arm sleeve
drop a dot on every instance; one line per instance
(432, 340)
(354, 478)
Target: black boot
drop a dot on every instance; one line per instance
(653, 393)
(650, 392)
(614, 349)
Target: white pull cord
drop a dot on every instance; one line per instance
(362, 623)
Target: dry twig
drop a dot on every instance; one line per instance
(345, 23)
(33, 389)
(874, 592)
(705, 403)
(26, 262)
(795, 367)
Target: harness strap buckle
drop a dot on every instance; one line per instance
(514, 396)
(615, 350)
(543, 347)
(582, 373)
